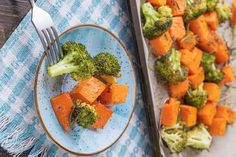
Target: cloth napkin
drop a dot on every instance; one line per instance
(20, 129)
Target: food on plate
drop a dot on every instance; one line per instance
(103, 115)
(169, 112)
(76, 60)
(87, 104)
(194, 9)
(84, 114)
(107, 64)
(156, 22)
(88, 90)
(196, 97)
(212, 74)
(62, 105)
(188, 114)
(170, 68)
(161, 44)
(223, 12)
(114, 94)
(194, 61)
(198, 137)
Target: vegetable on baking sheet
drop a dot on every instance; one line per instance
(213, 91)
(206, 114)
(177, 7)
(212, 20)
(177, 28)
(157, 2)
(188, 41)
(174, 136)
(169, 112)
(170, 68)
(228, 75)
(161, 44)
(194, 9)
(198, 137)
(196, 79)
(196, 97)
(179, 89)
(188, 114)
(218, 127)
(155, 22)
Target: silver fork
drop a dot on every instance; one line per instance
(48, 35)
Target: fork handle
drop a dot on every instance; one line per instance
(32, 3)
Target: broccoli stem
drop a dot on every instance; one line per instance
(60, 69)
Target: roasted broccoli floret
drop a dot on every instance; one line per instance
(199, 137)
(84, 114)
(211, 5)
(175, 137)
(223, 12)
(194, 9)
(170, 68)
(76, 60)
(196, 97)
(155, 22)
(212, 74)
(107, 64)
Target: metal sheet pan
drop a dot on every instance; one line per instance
(156, 93)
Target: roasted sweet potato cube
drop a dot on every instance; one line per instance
(62, 105)
(218, 127)
(103, 115)
(88, 90)
(114, 94)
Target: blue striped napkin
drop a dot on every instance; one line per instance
(20, 129)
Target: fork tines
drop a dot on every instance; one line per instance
(51, 45)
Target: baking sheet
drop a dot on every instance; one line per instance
(156, 92)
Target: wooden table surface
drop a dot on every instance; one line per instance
(11, 13)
